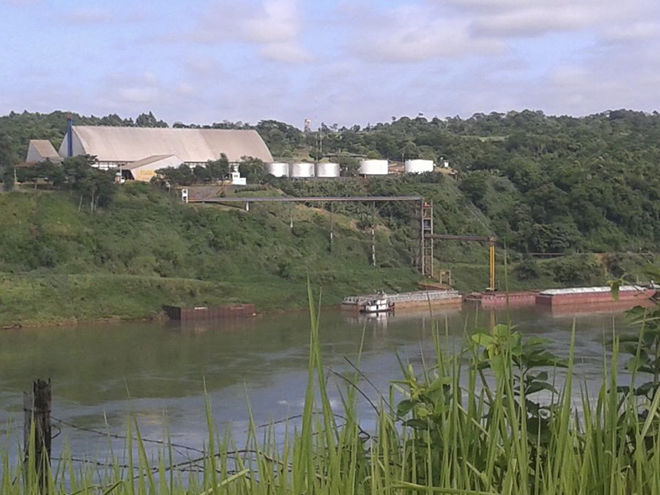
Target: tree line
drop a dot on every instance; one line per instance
(544, 183)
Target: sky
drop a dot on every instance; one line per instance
(345, 62)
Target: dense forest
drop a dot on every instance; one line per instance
(544, 184)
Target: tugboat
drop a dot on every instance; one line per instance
(375, 306)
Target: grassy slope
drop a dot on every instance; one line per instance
(146, 250)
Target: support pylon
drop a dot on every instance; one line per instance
(427, 239)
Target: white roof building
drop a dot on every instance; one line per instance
(40, 150)
(144, 170)
(120, 146)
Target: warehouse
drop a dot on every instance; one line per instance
(139, 151)
(115, 147)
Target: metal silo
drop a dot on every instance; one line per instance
(327, 169)
(418, 166)
(373, 167)
(278, 169)
(301, 170)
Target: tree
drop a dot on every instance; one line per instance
(220, 168)
(7, 162)
(148, 120)
(475, 186)
(253, 169)
(349, 165)
(177, 176)
(48, 171)
(202, 174)
(94, 186)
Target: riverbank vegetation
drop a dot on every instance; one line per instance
(547, 184)
(580, 191)
(501, 416)
(59, 262)
(62, 261)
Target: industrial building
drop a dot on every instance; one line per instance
(40, 150)
(138, 152)
(143, 170)
(142, 150)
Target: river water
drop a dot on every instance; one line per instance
(159, 372)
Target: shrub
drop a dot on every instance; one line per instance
(528, 269)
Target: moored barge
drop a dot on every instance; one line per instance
(408, 300)
(593, 295)
(501, 299)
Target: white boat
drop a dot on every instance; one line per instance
(377, 306)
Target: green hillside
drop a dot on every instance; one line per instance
(584, 188)
(146, 249)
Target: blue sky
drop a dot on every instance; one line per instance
(339, 62)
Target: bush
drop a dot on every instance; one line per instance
(579, 269)
(528, 269)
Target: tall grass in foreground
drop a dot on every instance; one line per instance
(465, 424)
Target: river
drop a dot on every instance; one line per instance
(158, 372)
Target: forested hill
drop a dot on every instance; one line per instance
(546, 184)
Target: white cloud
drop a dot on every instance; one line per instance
(186, 89)
(274, 24)
(525, 18)
(138, 94)
(203, 66)
(90, 15)
(278, 22)
(288, 53)
(94, 15)
(19, 2)
(415, 33)
(533, 21)
(638, 31)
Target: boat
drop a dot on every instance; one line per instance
(380, 305)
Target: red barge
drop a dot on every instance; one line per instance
(489, 300)
(593, 295)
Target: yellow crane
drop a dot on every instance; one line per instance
(490, 240)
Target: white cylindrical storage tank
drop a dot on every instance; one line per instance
(301, 170)
(418, 166)
(374, 167)
(278, 169)
(327, 169)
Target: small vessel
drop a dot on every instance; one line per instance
(380, 305)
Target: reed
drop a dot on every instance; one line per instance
(486, 420)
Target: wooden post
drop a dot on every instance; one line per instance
(36, 406)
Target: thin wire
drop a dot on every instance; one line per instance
(122, 437)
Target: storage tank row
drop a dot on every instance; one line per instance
(301, 170)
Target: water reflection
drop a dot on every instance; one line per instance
(159, 371)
